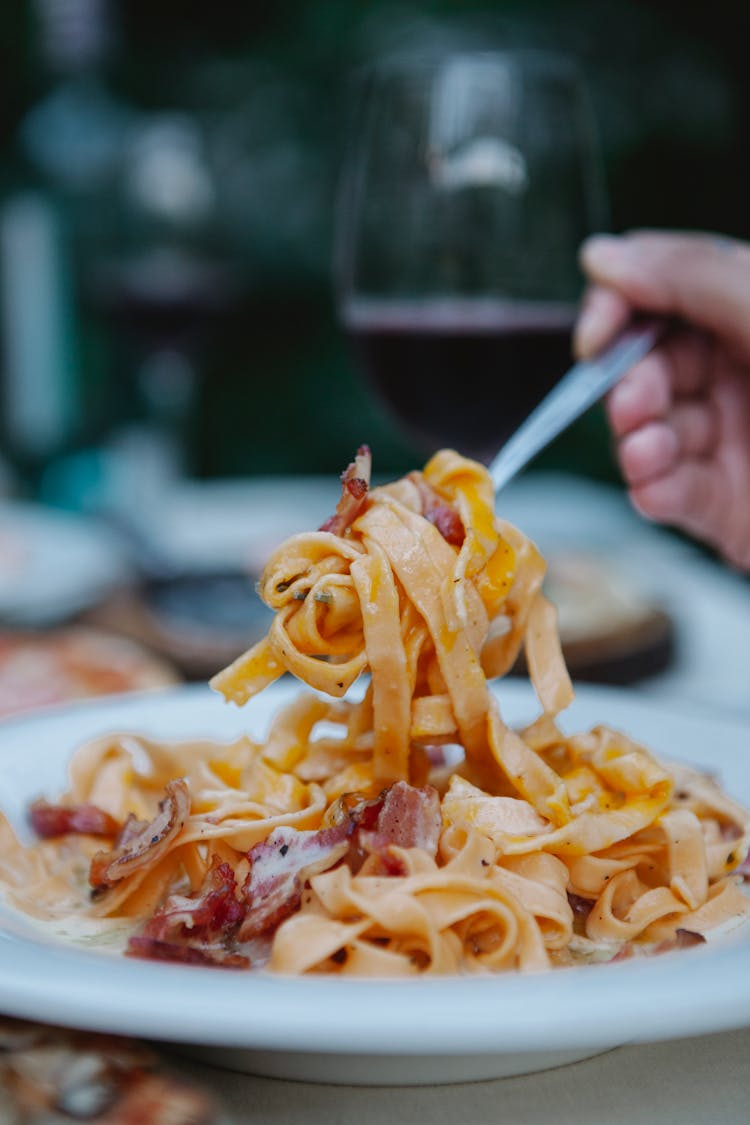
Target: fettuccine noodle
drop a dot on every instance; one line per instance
(347, 842)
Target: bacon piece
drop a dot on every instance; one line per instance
(280, 866)
(683, 939)
(411, 817)
(61, 820)
(142, 842)
(439, 512)
(212, 914)
(153, 950)
(403, 815)
(359, 816)
(355, 482)
(581, 908)
(196, 929)
(448, 522)
(436, 756)
(355, 811)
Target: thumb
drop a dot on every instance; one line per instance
(702, 278)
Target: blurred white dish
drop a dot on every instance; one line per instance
(53, 564)
(217, 525)
(369, 1031)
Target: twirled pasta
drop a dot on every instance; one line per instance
(326, 848)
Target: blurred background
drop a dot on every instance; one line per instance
(222, 124)
(168, 188)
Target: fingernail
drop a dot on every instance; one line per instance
(603, 253)
(591, 328)
(585, 334)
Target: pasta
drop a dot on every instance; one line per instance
(410, 830)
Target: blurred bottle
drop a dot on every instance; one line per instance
(67, 145)
(162, 281)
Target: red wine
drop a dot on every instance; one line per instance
(154, 305)
(461, 372)
(163, 301)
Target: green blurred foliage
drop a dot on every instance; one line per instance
(672, 97)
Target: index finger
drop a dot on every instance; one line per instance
(679, 367)
(702, 278)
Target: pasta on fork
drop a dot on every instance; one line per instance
(408, 830)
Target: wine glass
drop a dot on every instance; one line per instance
(470, 181)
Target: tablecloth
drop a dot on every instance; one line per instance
(697, 1081)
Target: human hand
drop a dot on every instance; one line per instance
(681, 417)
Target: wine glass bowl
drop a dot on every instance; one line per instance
(471, 180)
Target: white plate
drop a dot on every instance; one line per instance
(53, 564)
(368, 1031)
(235, 524)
